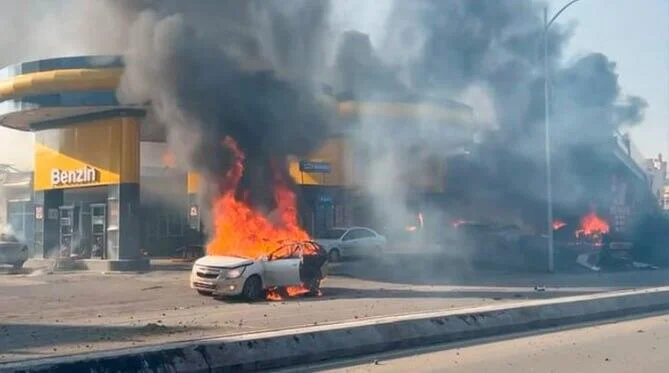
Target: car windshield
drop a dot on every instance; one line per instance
(332, 234)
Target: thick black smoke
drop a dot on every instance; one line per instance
(251, 70)
(210, 71)
(445, 48)
(498, 44)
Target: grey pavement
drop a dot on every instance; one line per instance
(49, 314)
(625, 346)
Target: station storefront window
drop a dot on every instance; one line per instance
(165, 231)
(165, 224)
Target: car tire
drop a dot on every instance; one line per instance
(334, 256)
(253, 289)
(205, 293)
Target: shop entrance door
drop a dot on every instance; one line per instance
(68, 224)
(324, 215)
(99, 230)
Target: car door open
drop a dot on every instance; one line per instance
(282, 267)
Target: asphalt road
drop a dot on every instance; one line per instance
(626, 346)
(47, 314)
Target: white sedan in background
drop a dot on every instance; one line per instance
(291, 264)
(12, 251)
(353, 242)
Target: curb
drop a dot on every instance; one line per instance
(269, 350)
(94, 265)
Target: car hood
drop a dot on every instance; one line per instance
(223, 261)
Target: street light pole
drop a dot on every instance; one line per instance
(547, 139)
(547, 149)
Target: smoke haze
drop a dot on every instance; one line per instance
(38, 29)
(203, 66)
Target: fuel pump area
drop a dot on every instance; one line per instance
(86, 191)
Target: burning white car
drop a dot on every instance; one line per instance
(293, 268)
(12, 251)
(352, 242)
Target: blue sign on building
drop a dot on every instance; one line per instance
(315, 167)
(323, 199)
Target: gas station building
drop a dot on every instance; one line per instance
(102, 174)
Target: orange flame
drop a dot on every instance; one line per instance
(244, 232)
(274, 295)
(591, 224)
(557, 224)
(291, 291)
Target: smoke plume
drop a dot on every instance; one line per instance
(449, 48)
(252, 70)
(214, 69)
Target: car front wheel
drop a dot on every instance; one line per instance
(334, 256)
(253, 289)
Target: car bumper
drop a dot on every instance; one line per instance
(226, 287)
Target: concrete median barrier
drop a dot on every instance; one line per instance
(311, 344)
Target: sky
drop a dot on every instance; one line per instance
(634, 34)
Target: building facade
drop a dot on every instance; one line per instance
(103, 188)
(656, 168)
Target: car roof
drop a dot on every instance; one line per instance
(354, 227)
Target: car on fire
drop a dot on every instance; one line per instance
(12, 251)
(353, 242)
(292, 264)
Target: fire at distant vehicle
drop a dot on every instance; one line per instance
(595, 244)
(293, 268)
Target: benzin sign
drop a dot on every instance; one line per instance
(85, 175)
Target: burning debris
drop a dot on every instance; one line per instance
(558, 224)
(282, 293)
(592, 226)
(591, 230)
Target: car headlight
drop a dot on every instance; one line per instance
(235, 272)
